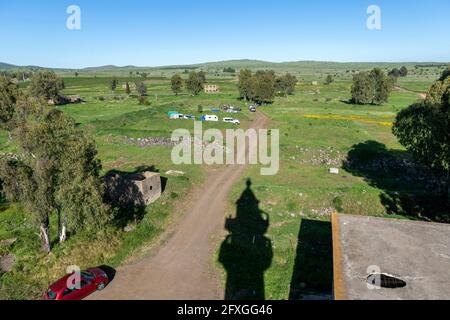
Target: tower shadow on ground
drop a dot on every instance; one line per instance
(312, 277)
(246, 253)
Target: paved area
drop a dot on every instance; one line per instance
(417, 253)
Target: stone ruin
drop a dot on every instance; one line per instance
(133, 190)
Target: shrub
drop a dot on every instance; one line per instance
(143, 101)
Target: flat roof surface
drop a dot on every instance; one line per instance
(416, 252)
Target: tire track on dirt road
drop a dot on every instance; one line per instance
(182, 268)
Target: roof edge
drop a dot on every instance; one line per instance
(339, 290)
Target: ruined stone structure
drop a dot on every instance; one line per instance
(127, 190)
(132, 86)
(211, 88)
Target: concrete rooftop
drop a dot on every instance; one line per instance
(415, 252)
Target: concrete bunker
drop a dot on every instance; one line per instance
(133, 190)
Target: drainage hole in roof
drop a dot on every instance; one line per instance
(382, 280)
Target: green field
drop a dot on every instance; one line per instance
(318, 130)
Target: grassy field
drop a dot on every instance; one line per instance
(319, 130)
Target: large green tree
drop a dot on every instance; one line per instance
(372, 87)
(382, 86)
(286, 84)
(362, 88)
(195, 83)
(46, 84)
(8, 97)
(246, 85)
(424, 129)
(264, 86)
(177, 84)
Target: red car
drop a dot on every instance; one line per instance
(91, 280)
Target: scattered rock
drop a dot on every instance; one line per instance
(129, 228)
(324, 212)
(8, 242)
(175, 173)
(9, 155)
(334, 170)
(317, 157)
(7, 262)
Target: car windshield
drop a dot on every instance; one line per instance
(87, 275)
(51, 295)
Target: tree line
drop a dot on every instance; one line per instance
(194, 84)
(262, 86)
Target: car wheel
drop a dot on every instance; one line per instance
(101, 286)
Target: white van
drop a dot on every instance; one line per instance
(211, 118)
(231, 120)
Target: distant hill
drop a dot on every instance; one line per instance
(294, 66)
(6, 66)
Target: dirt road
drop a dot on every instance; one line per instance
(183, 266)
(422, 95)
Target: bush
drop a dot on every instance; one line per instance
(338, 204)
(144, 102)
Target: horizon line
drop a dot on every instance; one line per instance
(221, 61)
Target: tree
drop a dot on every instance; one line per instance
(113, 84)
(394, 73)
(382, 86)
(141, 88)
(144, 75)
(195, 82)
(57, 171)
(329, 79)
(246, 85)
(76, 74)
(286, 84)
(424, 130)
(229, 70)
(177, 84)
(8, 98)
(264, 86)
(47, 85)
(127, 88)
(202, 76)
(362, 88)
(403, 71)
(371, 88)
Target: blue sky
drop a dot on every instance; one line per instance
(167, 32)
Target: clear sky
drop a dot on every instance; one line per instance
(167, 32)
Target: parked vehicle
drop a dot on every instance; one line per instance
(231, 120)
(231, 109)
(210, 118)
(92, 280)
(175, 116)
(252, 108)
(188, 117)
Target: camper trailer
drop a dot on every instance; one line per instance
(210, 118)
